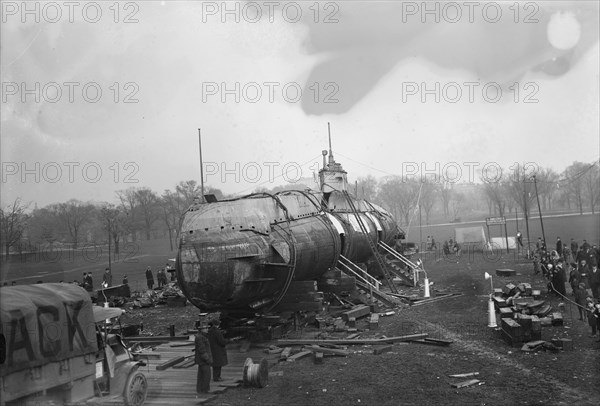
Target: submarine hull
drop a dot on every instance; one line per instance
(240, 256)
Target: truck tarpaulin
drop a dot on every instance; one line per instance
(45, 323)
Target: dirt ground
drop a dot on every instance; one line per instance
(419, 374)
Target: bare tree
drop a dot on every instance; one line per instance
(129, 204)
(445, 190)
(366, 188)
(400, 196)
(520, 188)
(591, 182)
(148, 204)
(574, 175)
(428, 197)
(73, 215)
(547, 183)
(112, 218)
(43, 226)
(173, 207)
(13, 221)
(495, 190)
(456, 204)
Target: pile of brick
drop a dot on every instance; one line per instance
(523, 314)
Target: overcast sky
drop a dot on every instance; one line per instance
(372, 69)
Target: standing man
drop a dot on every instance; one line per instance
(585, 246)
(107, 278)
(594, 281)
(159, 278)
(217, 346)
(90, 282)
(520, 239)
(574, 247)
(149, 278)
(203, 358)
(559, 247)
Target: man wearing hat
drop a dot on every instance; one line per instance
(149, 278)
(203, 357)
(217, 346)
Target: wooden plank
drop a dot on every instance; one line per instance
(169, 363)
(147, 355)
(298, 355)
(439, 341)
(187, 344)
(431, 342)
(186, 364)
(468, 374)
(436, 299)
(357, 312)
(354, 341)
(464, 384)
(381, 349)
(156, 338)
(286, 353)
(317, 348)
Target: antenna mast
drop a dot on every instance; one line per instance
(201, 166)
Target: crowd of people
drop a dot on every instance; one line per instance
(161, 276)
(87, 281)
(451, 247)
(580, 262)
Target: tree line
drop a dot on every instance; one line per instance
(136, 213)
(507, 191)
(141, 213)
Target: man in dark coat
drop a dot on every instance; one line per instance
(559, 247)
(107, 278)
(217, 346)
(585, 246)
(558, 279)
(203, 357)
(594, 281)
(574, 277)
(149, 278)
(574, 247)
(90, 282)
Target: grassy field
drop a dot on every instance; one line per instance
(567, 226)
(69, 265)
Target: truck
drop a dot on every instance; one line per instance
(54, 349)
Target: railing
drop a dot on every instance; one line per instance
(414, 267)
(358, 273)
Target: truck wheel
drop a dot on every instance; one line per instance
(135, 389)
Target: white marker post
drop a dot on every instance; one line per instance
(491, 309)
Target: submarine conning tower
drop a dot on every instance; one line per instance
(332, 177)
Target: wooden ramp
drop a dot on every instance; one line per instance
(176, 385)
